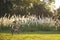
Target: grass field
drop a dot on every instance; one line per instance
(8, 36)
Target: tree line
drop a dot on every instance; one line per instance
(26, 7)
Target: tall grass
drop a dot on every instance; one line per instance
(29, 23)
(23, 19)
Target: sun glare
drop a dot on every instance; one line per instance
(57, 4)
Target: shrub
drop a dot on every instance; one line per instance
(28, 24)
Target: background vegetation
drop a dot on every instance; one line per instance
(30, 15)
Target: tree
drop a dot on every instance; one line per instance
(40, 10)
(58, 13)
(5, 7)
(24, 7)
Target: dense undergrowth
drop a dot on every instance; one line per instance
(28, 24)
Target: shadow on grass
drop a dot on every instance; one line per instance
(37, 32)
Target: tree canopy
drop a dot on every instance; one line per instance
(26, 7)
(5, 7)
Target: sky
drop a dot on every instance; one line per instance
(57, 4)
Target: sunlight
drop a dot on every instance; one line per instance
(41, 0)
(57, 4)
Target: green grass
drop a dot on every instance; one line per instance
(8, 36)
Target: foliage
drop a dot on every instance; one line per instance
(58, 13)
(40, 10)
(28, 24)
(24, 7)
(5, 7)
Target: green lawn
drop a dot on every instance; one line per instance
(8, 36)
